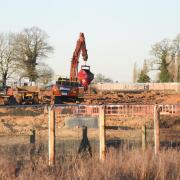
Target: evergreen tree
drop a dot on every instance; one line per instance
(143, 77)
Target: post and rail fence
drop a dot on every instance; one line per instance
(80, 112)
(116, 110)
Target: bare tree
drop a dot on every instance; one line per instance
(45, 73)
(173, 59)
(7, 61)
(135, 72)
(99, 78)
(31, 46)
(175, 66)
(146, 66)
(160, 52)
(176, 44)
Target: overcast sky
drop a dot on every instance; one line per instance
(118, 32)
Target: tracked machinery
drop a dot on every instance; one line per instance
(27, 95)
(23, 95)
(6, 95)
(70, 89)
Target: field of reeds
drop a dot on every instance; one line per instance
(119, 164)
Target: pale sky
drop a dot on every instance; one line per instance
(118, 32)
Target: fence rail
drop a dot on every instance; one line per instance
(119, 110)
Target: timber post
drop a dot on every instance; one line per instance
(32, 136)
(143, 130)
(32, 143)
(102, 133)
(51, 135)
(156, 129)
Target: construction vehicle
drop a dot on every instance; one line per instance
(27, 95)
(67, 89)
(20, 95)
(6, 95)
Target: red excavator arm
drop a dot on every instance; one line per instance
(80, 47)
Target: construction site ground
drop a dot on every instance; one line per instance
(145, 97)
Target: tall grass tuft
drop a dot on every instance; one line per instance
(133, 164)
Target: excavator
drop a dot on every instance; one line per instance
(6, 95)
(68, 89)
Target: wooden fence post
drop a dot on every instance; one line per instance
(156, 129)
(85, 145)
(32, 136)
(144, 137)
(32, 144)
(102, 133)
(51, 135)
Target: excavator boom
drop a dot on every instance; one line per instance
(80, 47)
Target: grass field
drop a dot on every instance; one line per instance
(119, 164)
(125, 160)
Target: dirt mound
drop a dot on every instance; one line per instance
(172, 99)
(149, 97)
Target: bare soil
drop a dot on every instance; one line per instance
(148, 97)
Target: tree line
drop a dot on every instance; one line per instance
(164, 59)
(22, 55)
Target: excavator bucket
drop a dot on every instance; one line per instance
(85, 76)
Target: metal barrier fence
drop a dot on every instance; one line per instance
(111, 109)
(123, 110)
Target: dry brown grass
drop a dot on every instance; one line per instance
(133, 164)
